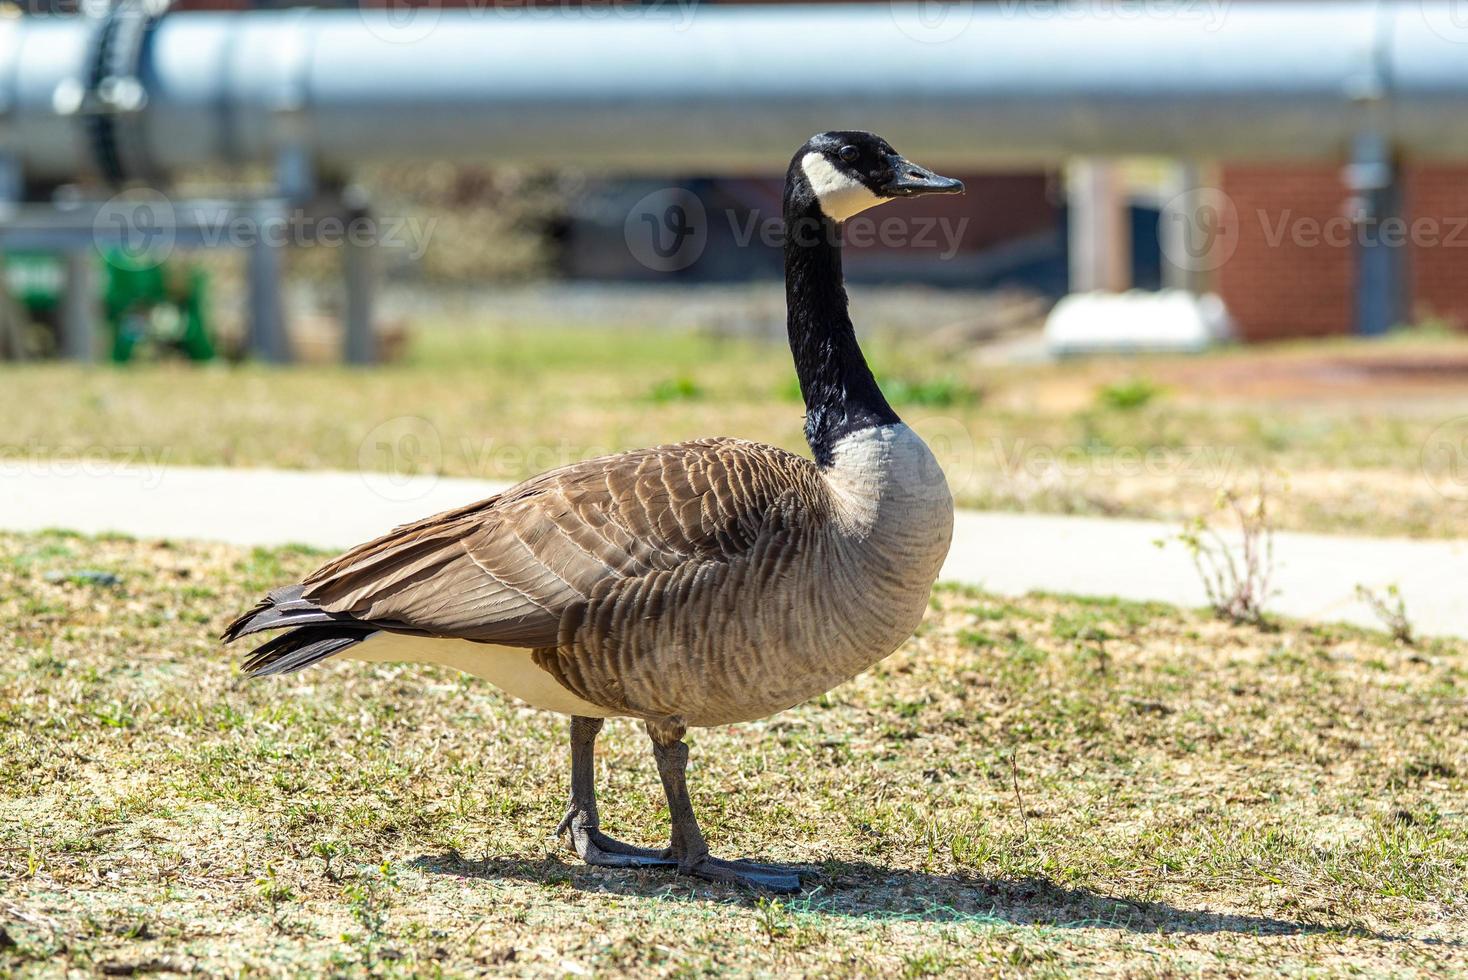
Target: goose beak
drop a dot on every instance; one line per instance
(911, 180)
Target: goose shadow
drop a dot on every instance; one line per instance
(862, 891)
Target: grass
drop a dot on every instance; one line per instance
(1125, 396)
(1367, 435)
(1036, 786)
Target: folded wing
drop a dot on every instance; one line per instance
(505, 570)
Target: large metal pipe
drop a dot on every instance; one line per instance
(723, 89)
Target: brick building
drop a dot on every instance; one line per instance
(1293, 267)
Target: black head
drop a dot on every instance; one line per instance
(846, 172)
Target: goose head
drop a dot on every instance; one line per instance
(845, 172)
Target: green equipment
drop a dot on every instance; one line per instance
(160, 305)
(151, 309)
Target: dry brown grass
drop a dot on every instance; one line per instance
(1037, 786)
(508, 402)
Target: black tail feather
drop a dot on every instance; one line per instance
(282, 608)
(299, 648)
(317, 634)
(312, 633)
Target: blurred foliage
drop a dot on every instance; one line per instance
(481, 223)
(1125, 396)
(941, 392)
(679, 389)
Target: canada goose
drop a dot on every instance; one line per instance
(695, 584)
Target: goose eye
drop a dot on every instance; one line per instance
(848, 153)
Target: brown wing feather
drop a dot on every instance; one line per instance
(507, 569)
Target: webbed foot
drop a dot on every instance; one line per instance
(596, 848)
(749, 874)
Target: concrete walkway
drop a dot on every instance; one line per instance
(1316, 575)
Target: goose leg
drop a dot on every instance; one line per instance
(581, 820)
(689, 847)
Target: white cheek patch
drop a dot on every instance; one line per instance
(840, 194)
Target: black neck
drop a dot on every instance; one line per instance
(841, 396)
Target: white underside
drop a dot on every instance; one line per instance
(511, 669)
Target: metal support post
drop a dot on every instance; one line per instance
(1381, 235)
(1100, 239)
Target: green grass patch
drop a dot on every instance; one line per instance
(1036, 785)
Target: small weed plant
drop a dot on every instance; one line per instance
(1236, 574)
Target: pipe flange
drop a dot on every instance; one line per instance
(115, 95)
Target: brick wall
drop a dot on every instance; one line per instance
(1290, 275)
(1436, 204)
(1292, 270)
